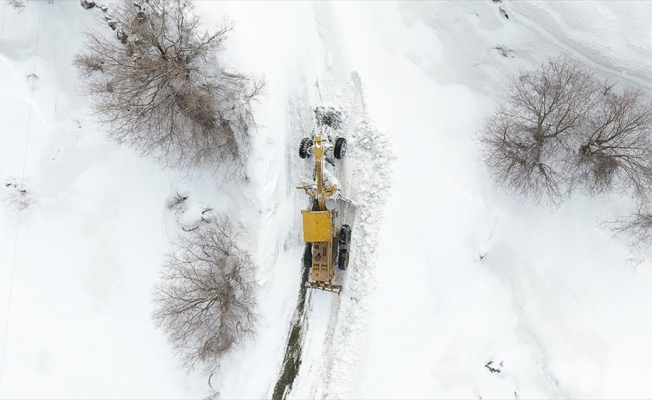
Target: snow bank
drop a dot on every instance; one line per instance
(455, 277)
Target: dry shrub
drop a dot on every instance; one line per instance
(560, 128)
(158, 87)
(205, 302)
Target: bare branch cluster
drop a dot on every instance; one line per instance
(637, 227)
(205, 302)
(562, 129)
(158, 87)
(614, 152)
(17, 4)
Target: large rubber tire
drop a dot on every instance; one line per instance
(307, 256)
(344, 237)
(340, 148)
(343, 259)
(304, 147)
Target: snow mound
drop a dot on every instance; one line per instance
(369, 173)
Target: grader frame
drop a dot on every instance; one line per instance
(318, 224)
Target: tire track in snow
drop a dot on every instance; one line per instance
(331, 335)
(319, 335)
(300, 123)
(318, 316)
(336, 75)
(336, 326)
(372, 157)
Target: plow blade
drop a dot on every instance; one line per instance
(325, 286)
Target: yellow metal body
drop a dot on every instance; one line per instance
(318, 226)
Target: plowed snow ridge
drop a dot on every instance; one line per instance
(335, 326)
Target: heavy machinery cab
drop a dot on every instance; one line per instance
(325, 248)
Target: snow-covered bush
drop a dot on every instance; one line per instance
(561, 128)
(176, 203)
(158, 86)
(330, 116)
(205, 302)
(18, 197)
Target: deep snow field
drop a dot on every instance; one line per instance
(446, 275)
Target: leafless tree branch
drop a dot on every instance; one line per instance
(615, 149)
(637, 228)
(205, 302)
(158, 86)
(560, 128)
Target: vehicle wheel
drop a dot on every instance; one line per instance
(344, 237)
(340, 148)
(304, 147)
(307, 256)
(343, 259)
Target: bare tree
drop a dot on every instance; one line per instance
(159, 88)
(205, 302)
(614, 150)
(525, 142)
(561, 129)
(637, 227)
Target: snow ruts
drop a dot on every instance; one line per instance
(337, 325)
(370, 157)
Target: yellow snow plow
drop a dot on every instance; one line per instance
(326, 245)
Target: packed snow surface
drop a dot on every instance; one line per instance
(453, 291)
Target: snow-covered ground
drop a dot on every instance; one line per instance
(446, 275)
